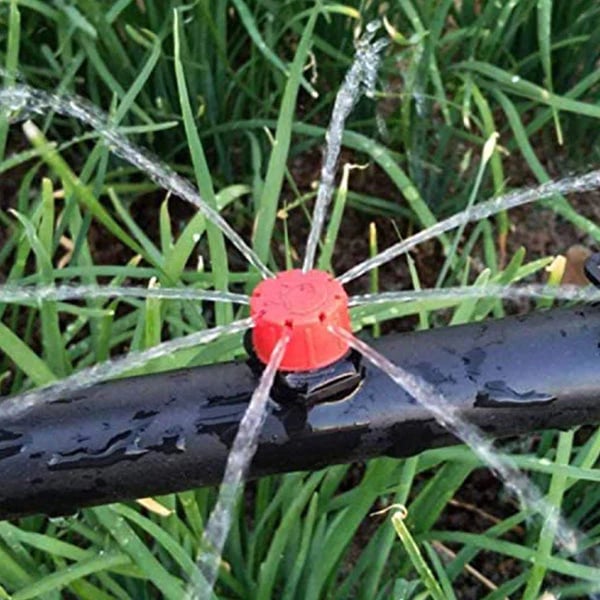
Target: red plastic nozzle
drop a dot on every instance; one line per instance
(307, 303)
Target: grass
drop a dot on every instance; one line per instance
(223, 92)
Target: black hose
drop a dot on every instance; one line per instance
(172, 431)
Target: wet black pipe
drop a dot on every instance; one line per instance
(172, 431)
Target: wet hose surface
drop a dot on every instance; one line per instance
(172, 431)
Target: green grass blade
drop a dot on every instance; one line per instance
(250, 25)
(24, 358)
(544, 9)
(527, 89)
(269, 200)
(74, 186)
(10, 64)
(558, 485)
(216, 242)
(559, 204)
(141, 556)
(63, 577)
(414, 553)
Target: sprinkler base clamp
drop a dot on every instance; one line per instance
(333, 383)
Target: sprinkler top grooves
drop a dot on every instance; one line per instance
(307, 304)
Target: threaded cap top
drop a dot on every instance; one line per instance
(306, 303)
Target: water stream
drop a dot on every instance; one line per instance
(504, 292)
(13, 294)
(568, 185)
(360, 78)
(16, 405)
(28, 100)
(238, 462)
(447, 415)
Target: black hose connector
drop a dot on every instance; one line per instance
(332, 383)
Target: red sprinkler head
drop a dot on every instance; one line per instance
(307, 303)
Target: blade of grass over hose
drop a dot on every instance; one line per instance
(216, 241)
(16, 405)
(269, 199)
(582, 183)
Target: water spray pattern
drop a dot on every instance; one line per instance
(238, 462)
(446, 414)
(16, 405)
(504, 292)
(11, 294)
(22, 98)
(360, 78)
(568, 185)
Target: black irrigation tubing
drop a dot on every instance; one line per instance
(172, 431)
